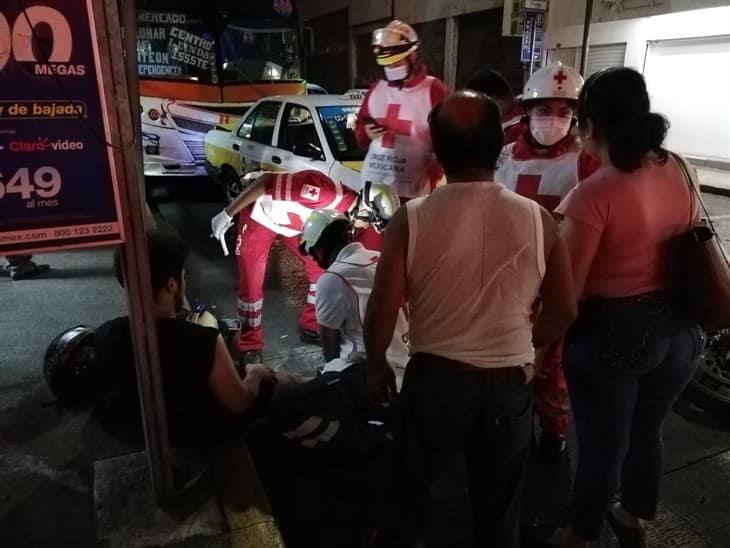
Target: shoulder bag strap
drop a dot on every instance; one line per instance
(695, 198)
(694, 192)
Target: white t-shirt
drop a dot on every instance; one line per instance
(343, 291)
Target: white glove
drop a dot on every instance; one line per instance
(220, 225)
(251, 176)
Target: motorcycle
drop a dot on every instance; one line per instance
(710, 386)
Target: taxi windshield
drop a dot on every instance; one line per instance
(339, 127)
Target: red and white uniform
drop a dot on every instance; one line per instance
(281, 212)
(546, 175)
(402, 157)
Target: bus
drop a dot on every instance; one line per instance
(201, 64)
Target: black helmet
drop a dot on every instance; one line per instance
(69, 366)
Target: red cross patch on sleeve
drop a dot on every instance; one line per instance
(310, 192)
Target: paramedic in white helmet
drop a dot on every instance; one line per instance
(393, 119)
(343, 292)
(544, 164)
(276, 206)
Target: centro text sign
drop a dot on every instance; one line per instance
(57, 179)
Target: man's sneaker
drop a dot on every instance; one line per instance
(552, 447)
(27, 270)
(252, 356)
(309, 337)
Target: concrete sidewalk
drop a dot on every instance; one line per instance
(713, 180)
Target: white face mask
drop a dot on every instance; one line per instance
(396, 74)
(548, 130)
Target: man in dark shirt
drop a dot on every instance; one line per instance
(206, 399)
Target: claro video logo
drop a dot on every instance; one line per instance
(17, 41)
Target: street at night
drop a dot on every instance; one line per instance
(385, 274)
(47, 455)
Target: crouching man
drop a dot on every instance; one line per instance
(206, 399)
(343, 292)
(332, 412)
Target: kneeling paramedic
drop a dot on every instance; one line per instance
(277, 206)
(332, 411)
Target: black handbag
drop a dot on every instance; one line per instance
(703, 284)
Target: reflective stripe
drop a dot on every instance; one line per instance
(250, 313)
(288, 187)
(325, 436)
(277, 187)
(305, 428)
(246, 305)
(250, 322)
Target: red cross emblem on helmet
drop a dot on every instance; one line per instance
(556, 81)
(560, 77)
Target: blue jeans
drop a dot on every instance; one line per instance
(626, 362)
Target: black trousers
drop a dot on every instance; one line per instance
(446, 407)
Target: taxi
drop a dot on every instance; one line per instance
(289, 133)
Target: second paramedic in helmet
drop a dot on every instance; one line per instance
(393, 118)
(545, 163)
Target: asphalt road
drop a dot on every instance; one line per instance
(45, 456)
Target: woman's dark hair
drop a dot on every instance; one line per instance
(616, 102)
(167, 253)
(492, 83)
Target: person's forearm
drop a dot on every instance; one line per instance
(248, 196)
(252, 386)
(378, 332)
(551, 325)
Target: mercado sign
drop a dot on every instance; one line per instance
(57, 178)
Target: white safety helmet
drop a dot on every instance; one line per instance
(555, 81)
(318, 220)
(376, 205)
(394, 42)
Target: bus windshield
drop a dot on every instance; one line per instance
(175, 46)
(252, 52)
(216, 50)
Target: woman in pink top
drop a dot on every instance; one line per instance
(630, 353)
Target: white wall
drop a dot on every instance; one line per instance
(695, 95)
(688, 81)
(637, 32)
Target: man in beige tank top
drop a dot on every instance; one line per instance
(471, 259)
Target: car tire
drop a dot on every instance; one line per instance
(231, 183)
(709, 388)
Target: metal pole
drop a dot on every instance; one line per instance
(123, 78)
(586, 35)
(533, 32)
(451, 52)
